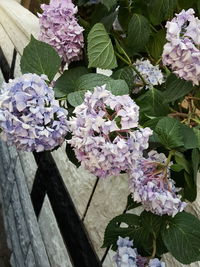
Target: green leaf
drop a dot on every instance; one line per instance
(109, 3)
(131, 204)
(76, 98)
(40, 58)
(117, 87)
(185, 4)
(113, 229)
(138, 32)
(189, 138)
(100, 49)
(151, 222)
(156, 43)
(109, 20)
(198, 7)
(176, 167)
(181, 236)
(151, 103)
(169, 133)
(195, 162)
(181, 160)
(126, 74)
(132, 228)
(91, 80)
(197, 133)
(176, 88)
(67, 83)
(124, 17)
(160, 10)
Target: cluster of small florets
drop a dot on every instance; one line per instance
(182, 50)
(127, 256)
(30, 117)
(60, 29)
(151, 74)
(105, 133)
(151, 185)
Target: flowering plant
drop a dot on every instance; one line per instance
(140, 116)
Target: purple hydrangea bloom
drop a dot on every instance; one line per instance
(105, 133)
(60, 29)
(181, 52)
(127, 256)
(30, 117)
(151, 74)
(156, 263)
(151, 185)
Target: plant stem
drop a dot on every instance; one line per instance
(153, 28)
(132, 66)
(154, 247)
(171, 153)
(123, 59)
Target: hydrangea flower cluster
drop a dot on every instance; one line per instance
(105, 133)
(30, 117)
(182, 49)
(151, 74)
(151, 185)
(127, 256)
(60, 29)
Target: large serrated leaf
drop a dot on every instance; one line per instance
(100, 49)
(159, 10)
(133, 230)
(181, 236)
(169, 132)
(176, 88)
(117, 87)
(76, 98)
(156, 43)
(40, 58)
(67, 82)
(151, 103)
(91, 80)
(126, 74)
(138, 32)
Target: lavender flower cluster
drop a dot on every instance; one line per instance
(30, 117)
(151, 74)
(105, 133)
(182, 49)
(151, 185)
(127, 256)
(60, 29)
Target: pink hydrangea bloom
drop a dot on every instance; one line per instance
(105, 133)
(60, 29)
(181, 52)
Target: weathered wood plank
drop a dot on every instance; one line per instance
(18, 22)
